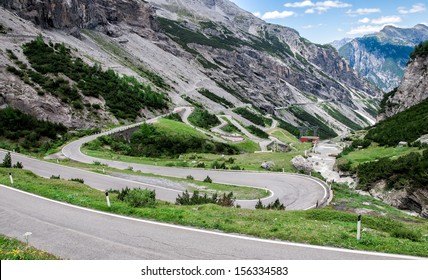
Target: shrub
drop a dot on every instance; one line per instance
(202, 118)
(56, 177)
(79, 180)
(190, 177)
(200, 164)
(226, 200)
(18, 165)
(141, 198)
(235, 167)
(175, 117)
(218, 165)
(258, 132)
(7, 161)
(276, 205)
(208, 180)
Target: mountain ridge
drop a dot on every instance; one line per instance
(242, 59)
(381, 57)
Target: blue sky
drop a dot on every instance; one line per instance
(326, 21)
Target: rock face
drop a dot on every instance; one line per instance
(194, 44)
(269, 65)
(413, 88)
(407, 199)
(381, 57)
(74, 14)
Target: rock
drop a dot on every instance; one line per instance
(412, 90)
(423, 139)
(267, 165)
(302, 164)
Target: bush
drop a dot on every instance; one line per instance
(226, 200)
(141, 198)
(252, 117)
(202, 118)
(407, 126)
(257, 131)
(79, 180)
(208, 180)
(56, 177)
(200, 164)
(218, 165)
(18, 165)
(7, 161)
(190, 177)
(276, 205)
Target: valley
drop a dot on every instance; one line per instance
(200, 118)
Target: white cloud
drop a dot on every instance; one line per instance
(257, 14)
(363, 11)
(333, 4)
(277, 15)
(364, 29)
(417, 8)
(299, 4)
(340, 30)
(364, 20)
(384, 20)
(319, 7)
(310, 26)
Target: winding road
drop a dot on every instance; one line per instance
(72, 232)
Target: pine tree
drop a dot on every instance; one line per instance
(7, 161)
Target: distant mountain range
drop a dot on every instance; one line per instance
(381, 57)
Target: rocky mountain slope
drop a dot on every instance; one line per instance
(381, 57)
(181, 48)
(414, 86)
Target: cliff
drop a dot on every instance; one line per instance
(413, 88)
(382, 57)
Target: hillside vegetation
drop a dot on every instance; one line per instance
(167, 138)
(407, 126)
(59, 73)
(408, 171)
(203, 118)
(28, 133)
(420, 50)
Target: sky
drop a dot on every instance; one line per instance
(325, 21)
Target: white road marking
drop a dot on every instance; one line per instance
(218, 233)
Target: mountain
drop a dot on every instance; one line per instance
(413, 88)
(181, 48)
(381, 58)
(337, 44)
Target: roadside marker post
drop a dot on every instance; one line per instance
(359, 227)
(108, 199)
(27, 237)
(11, 178)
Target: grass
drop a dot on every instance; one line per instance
(327, 227)
(284, 136)
(375, 152)
(178, 128)
(248, 146)
(240, 192)
(248, 161)
(13, 249)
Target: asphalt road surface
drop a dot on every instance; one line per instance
(76, 233)
(295, 191)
